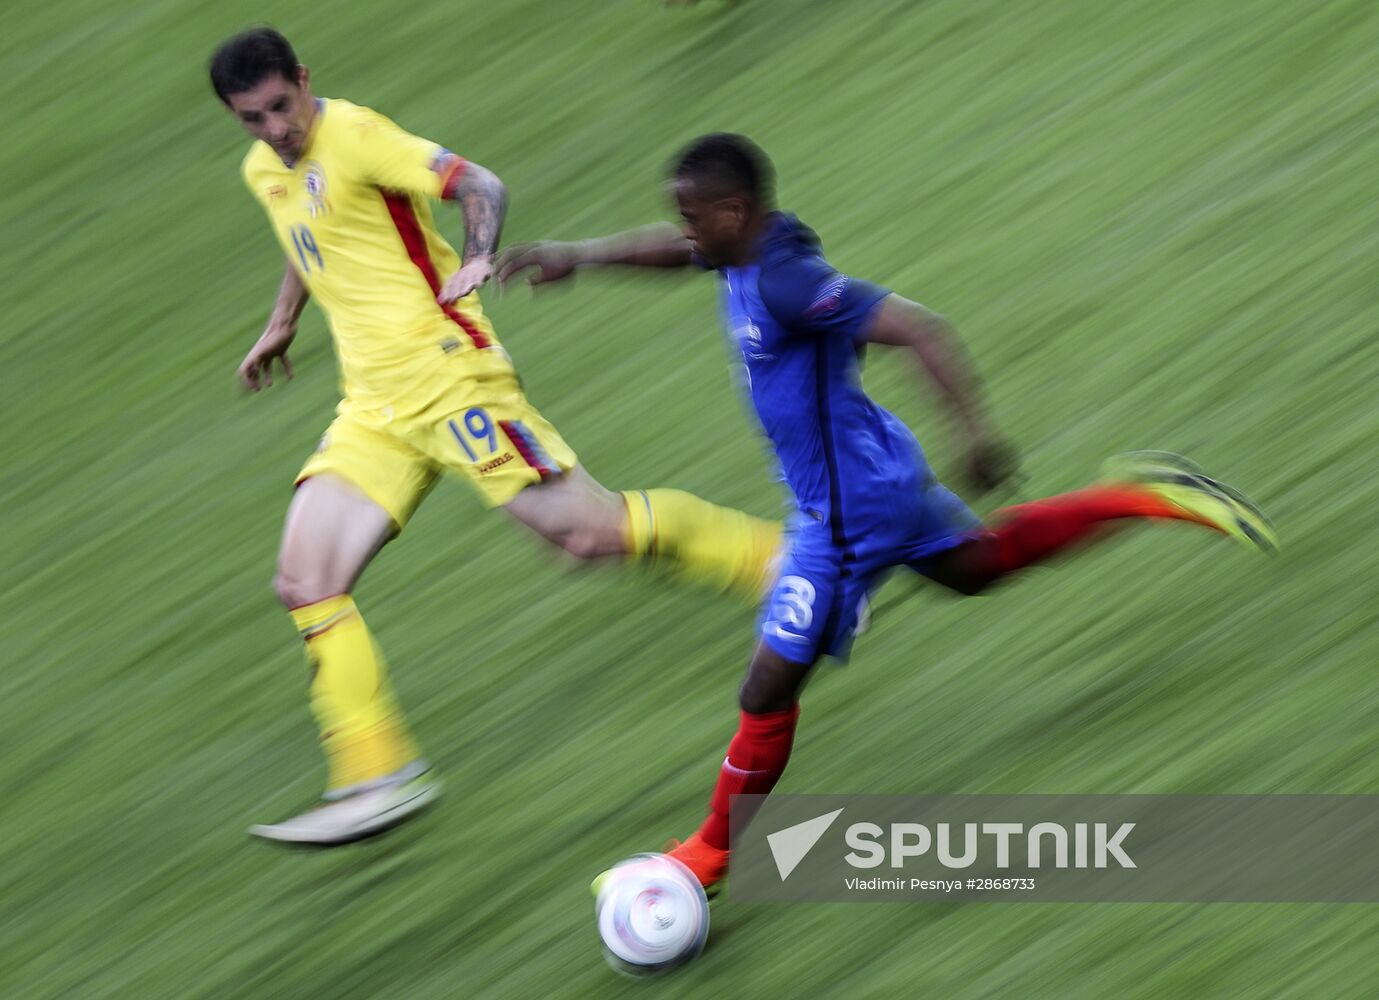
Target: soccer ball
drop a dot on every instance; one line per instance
(652, 913)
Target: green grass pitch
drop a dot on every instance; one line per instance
(1153, 224)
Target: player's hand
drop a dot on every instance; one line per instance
(552, 261)
(256, 370)
(469, 278)
(991, 461)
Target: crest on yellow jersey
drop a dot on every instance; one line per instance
(315, 183)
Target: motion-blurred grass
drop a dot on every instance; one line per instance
(1153, 223)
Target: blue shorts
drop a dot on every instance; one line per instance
(823, 586)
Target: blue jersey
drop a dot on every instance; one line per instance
(799, 326)
(867, 500)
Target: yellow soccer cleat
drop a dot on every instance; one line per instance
(1208, 501)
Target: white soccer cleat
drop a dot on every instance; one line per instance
(357, 813)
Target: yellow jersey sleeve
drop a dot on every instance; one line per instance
(389, 157)
(253, 172)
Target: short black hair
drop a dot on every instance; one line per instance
(243, 62)
(727, 164)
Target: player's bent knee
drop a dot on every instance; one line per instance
(773, 683)
(757, 696)
(288, 591)
(579, 545)
(967, 571)
(760, 702)
(296, 591)
(584, 544)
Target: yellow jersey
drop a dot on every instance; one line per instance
(353, 215)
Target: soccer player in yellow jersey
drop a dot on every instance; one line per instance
(427, 387)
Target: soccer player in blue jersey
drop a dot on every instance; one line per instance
(865, 501)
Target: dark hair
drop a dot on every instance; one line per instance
(726, 164)
(243, 62)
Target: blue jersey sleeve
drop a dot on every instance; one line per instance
(805, 295)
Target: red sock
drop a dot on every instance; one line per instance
(756, 760)
(1030, 532)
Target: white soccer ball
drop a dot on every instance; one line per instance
(653, 914)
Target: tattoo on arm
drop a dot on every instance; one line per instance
(483, 202)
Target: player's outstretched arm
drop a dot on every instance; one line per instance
(658, 245)
(256, 370)
(483, 203)
(902, 323)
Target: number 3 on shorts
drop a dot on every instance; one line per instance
(792, 611)
(479, 429)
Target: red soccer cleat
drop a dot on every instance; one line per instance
(708, 863)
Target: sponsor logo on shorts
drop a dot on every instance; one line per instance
(493, 463)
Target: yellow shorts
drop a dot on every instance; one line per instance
(473, 418)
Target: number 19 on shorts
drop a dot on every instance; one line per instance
(478, 433)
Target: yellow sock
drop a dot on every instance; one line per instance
(363, 733)
(719, 546)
